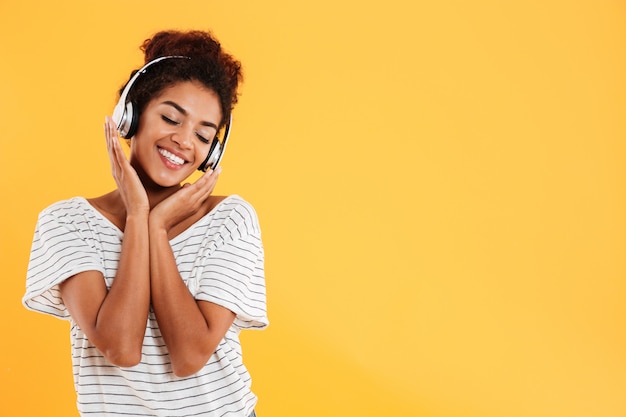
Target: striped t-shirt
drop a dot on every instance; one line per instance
(220, 258)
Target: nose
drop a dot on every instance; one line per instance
(183, 137)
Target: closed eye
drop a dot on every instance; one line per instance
(169, 121)
(203, 139)
(175, 123)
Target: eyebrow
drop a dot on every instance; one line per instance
(183, 111)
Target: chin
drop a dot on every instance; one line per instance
(168, 182)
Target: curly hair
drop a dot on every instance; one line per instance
(209, 64)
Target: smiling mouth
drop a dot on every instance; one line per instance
(171, 157)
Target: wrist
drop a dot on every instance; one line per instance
(137, 218)
(156, 225)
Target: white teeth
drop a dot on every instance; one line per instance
(171, 157)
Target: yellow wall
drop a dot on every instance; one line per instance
(441, 187)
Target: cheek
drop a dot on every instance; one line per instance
(139, 148)
(202, 152)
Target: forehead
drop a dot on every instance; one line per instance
(193, 97)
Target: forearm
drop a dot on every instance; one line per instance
(185, 330)
(121, 321)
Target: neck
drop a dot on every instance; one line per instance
(157, 194)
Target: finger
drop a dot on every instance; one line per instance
(199, 190)
(109, 133)
(206, 182)
(210, 175)
(214, 172)
(118, 154)
(109, 143)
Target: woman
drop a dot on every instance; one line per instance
(158, 278)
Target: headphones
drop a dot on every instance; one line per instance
(127, 119)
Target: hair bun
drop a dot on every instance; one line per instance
(194, 44)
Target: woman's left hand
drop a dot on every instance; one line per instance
(185, 202)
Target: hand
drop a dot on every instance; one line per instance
(185, 202)
(128, 183)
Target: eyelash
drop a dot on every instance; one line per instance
(172, 122)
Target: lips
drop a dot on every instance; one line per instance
(176, 160)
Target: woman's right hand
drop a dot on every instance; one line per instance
(128, 183)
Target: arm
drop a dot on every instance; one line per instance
(115, 320)
(191, 329)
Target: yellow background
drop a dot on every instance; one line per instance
(441, 187)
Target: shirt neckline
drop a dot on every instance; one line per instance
(192, 226)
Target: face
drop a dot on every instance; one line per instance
(175, 132)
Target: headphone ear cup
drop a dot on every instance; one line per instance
(212, 156)
(131, 121)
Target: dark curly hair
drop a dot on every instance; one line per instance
(209, 64)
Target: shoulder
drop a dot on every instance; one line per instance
(65, 208)
(67, 203)
(236, 208)
(235, 217)
(75, 215)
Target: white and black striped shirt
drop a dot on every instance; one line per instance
(220, 258)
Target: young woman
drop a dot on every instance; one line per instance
(158, 278)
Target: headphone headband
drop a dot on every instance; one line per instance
(123, 112)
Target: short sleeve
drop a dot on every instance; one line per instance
(58, 251)
(233, 273)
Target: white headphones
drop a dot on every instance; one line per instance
(127, 119)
